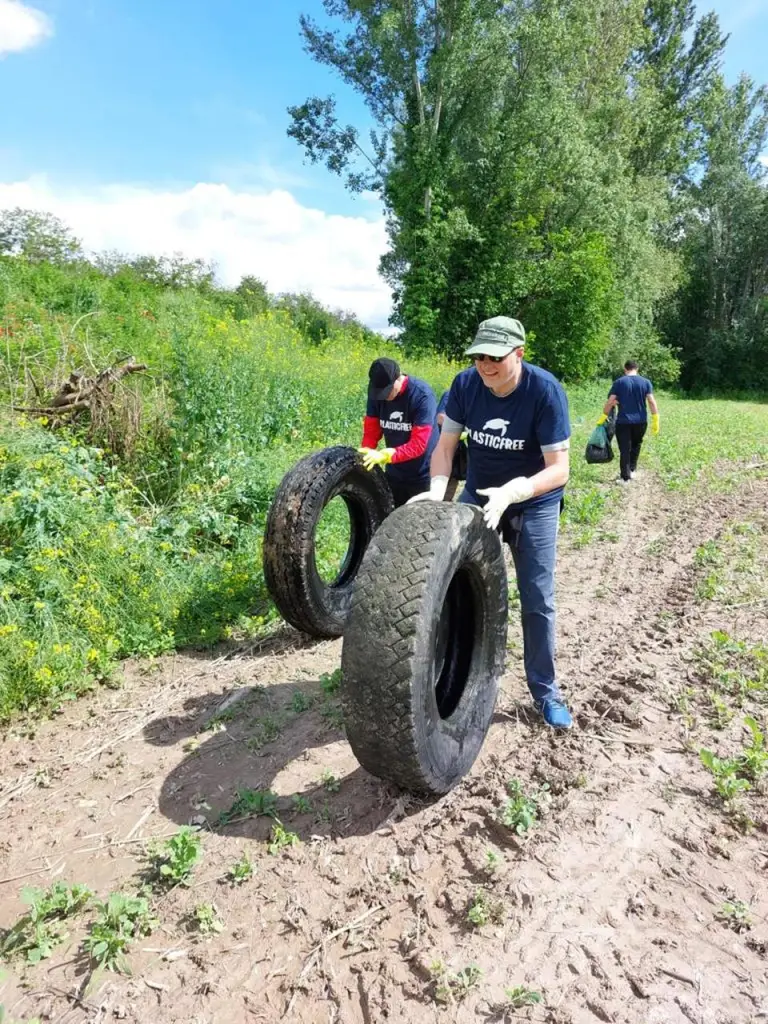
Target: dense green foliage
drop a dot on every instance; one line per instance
(140, 531)
(577, 163)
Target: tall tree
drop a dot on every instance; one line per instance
(672, 70)
(425, 70)
(721, 318)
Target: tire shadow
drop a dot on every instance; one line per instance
(286, 738)
(277, 640)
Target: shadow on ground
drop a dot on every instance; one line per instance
(287, 737)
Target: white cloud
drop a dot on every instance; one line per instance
(267, 233)
(21, 26)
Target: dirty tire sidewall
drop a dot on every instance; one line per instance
(290, 573)
(431, 593)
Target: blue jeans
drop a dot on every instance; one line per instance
(533, 551)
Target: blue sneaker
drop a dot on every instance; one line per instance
(555, 713)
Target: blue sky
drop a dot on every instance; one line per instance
(157, 124)
(171, 91)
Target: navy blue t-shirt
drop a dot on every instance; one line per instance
(415, 406)
(631, 391)
(507, 437)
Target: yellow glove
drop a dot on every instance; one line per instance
(603, 419)
(654, 423)
(376, 456)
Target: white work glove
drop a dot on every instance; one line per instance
(438, 485)
(500, 498)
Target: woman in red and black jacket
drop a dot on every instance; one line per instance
(402, 410)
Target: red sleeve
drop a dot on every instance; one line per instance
(416, 446)
(372, 432)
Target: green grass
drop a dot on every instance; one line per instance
(332, 538)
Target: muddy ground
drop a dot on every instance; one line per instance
(613, 906)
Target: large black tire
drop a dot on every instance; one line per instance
(424, 646)
(302, 598)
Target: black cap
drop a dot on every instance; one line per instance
(381, 377)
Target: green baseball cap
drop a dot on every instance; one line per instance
(497, 337)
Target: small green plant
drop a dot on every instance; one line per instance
(333, 715)
(735, 667)
(521, 811)
(270, 729)
(301, 702)
(121, 919)
(329, 781)
(753, 760)
(173, 862)
(280, 839)
(735, 914)
(301, 804)
(324, 815)
(395, 870)
(452, 987)
(330, 681)
(483, 910)
(493, 861)
(267, 729)
(218, 722)
(728, 785)
(41, 929)
(241, 871)
(206, 919)
(709, 559)
(250, 803)
(708, 554)
(520, 996)
(681, 702)
(721, 713)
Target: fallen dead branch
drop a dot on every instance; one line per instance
(80, 392)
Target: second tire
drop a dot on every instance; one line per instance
(290, 568)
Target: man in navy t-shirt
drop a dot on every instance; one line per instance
(403, 410)
(630, 393)
(518, 430)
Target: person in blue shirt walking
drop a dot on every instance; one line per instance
(518, 435)
(403, 411)
(630, 393)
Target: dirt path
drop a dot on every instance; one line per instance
(607, 907)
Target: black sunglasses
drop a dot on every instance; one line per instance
(494, 359)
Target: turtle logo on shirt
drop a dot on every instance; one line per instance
(396, 416)
(497, 424)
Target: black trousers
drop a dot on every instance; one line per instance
(630, 440)
(402, 490)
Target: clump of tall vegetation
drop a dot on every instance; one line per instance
(131, 525)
